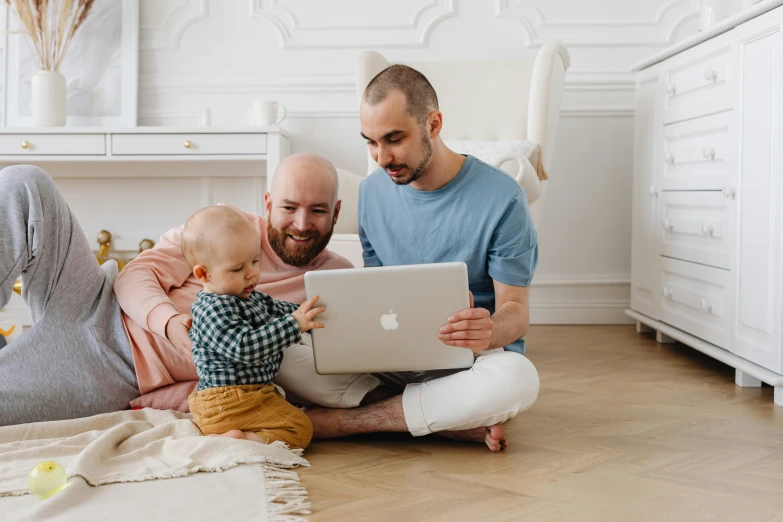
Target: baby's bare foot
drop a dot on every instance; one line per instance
(249, 435)
(239, 434)
(233, 434)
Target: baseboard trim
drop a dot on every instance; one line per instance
(580, 300)
(596, 312)
(567, 300)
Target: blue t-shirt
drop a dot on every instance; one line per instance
(481, 218)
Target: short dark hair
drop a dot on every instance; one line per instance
(419, 94)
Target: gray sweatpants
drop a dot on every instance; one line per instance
(76, 360)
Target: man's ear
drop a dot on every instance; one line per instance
(200, 271)
(336, 211)
(268, 204)
(435, 119)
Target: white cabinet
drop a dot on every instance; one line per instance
(645, 294)
(707, 248)
(759, 262)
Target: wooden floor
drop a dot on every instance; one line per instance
(624, 429)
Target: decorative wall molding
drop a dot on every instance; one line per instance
(176, 118)
(167, 34)
(604, 33)
(265, 83)
(597, 112)
(405, 23)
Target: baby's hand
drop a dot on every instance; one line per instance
(304, 315)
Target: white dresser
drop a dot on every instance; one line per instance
(138, 182)
(707, 247)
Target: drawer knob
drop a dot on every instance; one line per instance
(668, 225)
(729, 192)
(705, 306)
(709, 153)
(710, 75)
(25, 145)
(188, 144)
(653, 191)
(707, 229)
(671, 89)
(669, 158)
(667, 293)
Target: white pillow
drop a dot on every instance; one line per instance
(516, 158)
(348, 221)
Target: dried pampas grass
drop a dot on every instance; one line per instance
(50, 25)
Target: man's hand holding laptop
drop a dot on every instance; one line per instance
(469, 328)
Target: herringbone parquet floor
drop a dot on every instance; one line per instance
(624, 429)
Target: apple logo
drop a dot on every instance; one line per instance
(389, 321)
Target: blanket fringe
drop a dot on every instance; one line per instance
(286, 498)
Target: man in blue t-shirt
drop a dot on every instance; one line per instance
(428, 204)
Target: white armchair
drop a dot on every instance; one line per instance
(502, 111)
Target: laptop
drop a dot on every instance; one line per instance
(387, 319)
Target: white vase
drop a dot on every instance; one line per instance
(47, 101)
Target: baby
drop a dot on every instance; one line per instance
(239, 334)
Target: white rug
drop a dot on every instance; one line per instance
(125, 452)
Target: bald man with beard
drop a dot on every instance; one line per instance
(101, 339)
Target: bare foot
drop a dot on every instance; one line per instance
(492, 436)
(239, 434)
(233, 434)
(250, 435)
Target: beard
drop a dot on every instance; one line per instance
(426, 151)
(297, 255)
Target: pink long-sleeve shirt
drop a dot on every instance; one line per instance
(159, 284)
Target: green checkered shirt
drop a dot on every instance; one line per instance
(240, 341)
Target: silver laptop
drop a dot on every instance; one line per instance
(387, 319)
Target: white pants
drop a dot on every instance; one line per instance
(500, 385)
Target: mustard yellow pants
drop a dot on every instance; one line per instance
(256, 407)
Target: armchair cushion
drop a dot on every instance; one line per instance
(520, 159)
(348, 221)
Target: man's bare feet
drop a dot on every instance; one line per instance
(239, 434)
(332, 423)
(492, 436)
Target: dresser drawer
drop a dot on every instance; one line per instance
(700, 154)
(52, 144)
(696, 299)
(187, 144)
(697, 227)
(699, 81)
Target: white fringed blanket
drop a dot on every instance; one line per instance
(125, 452)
